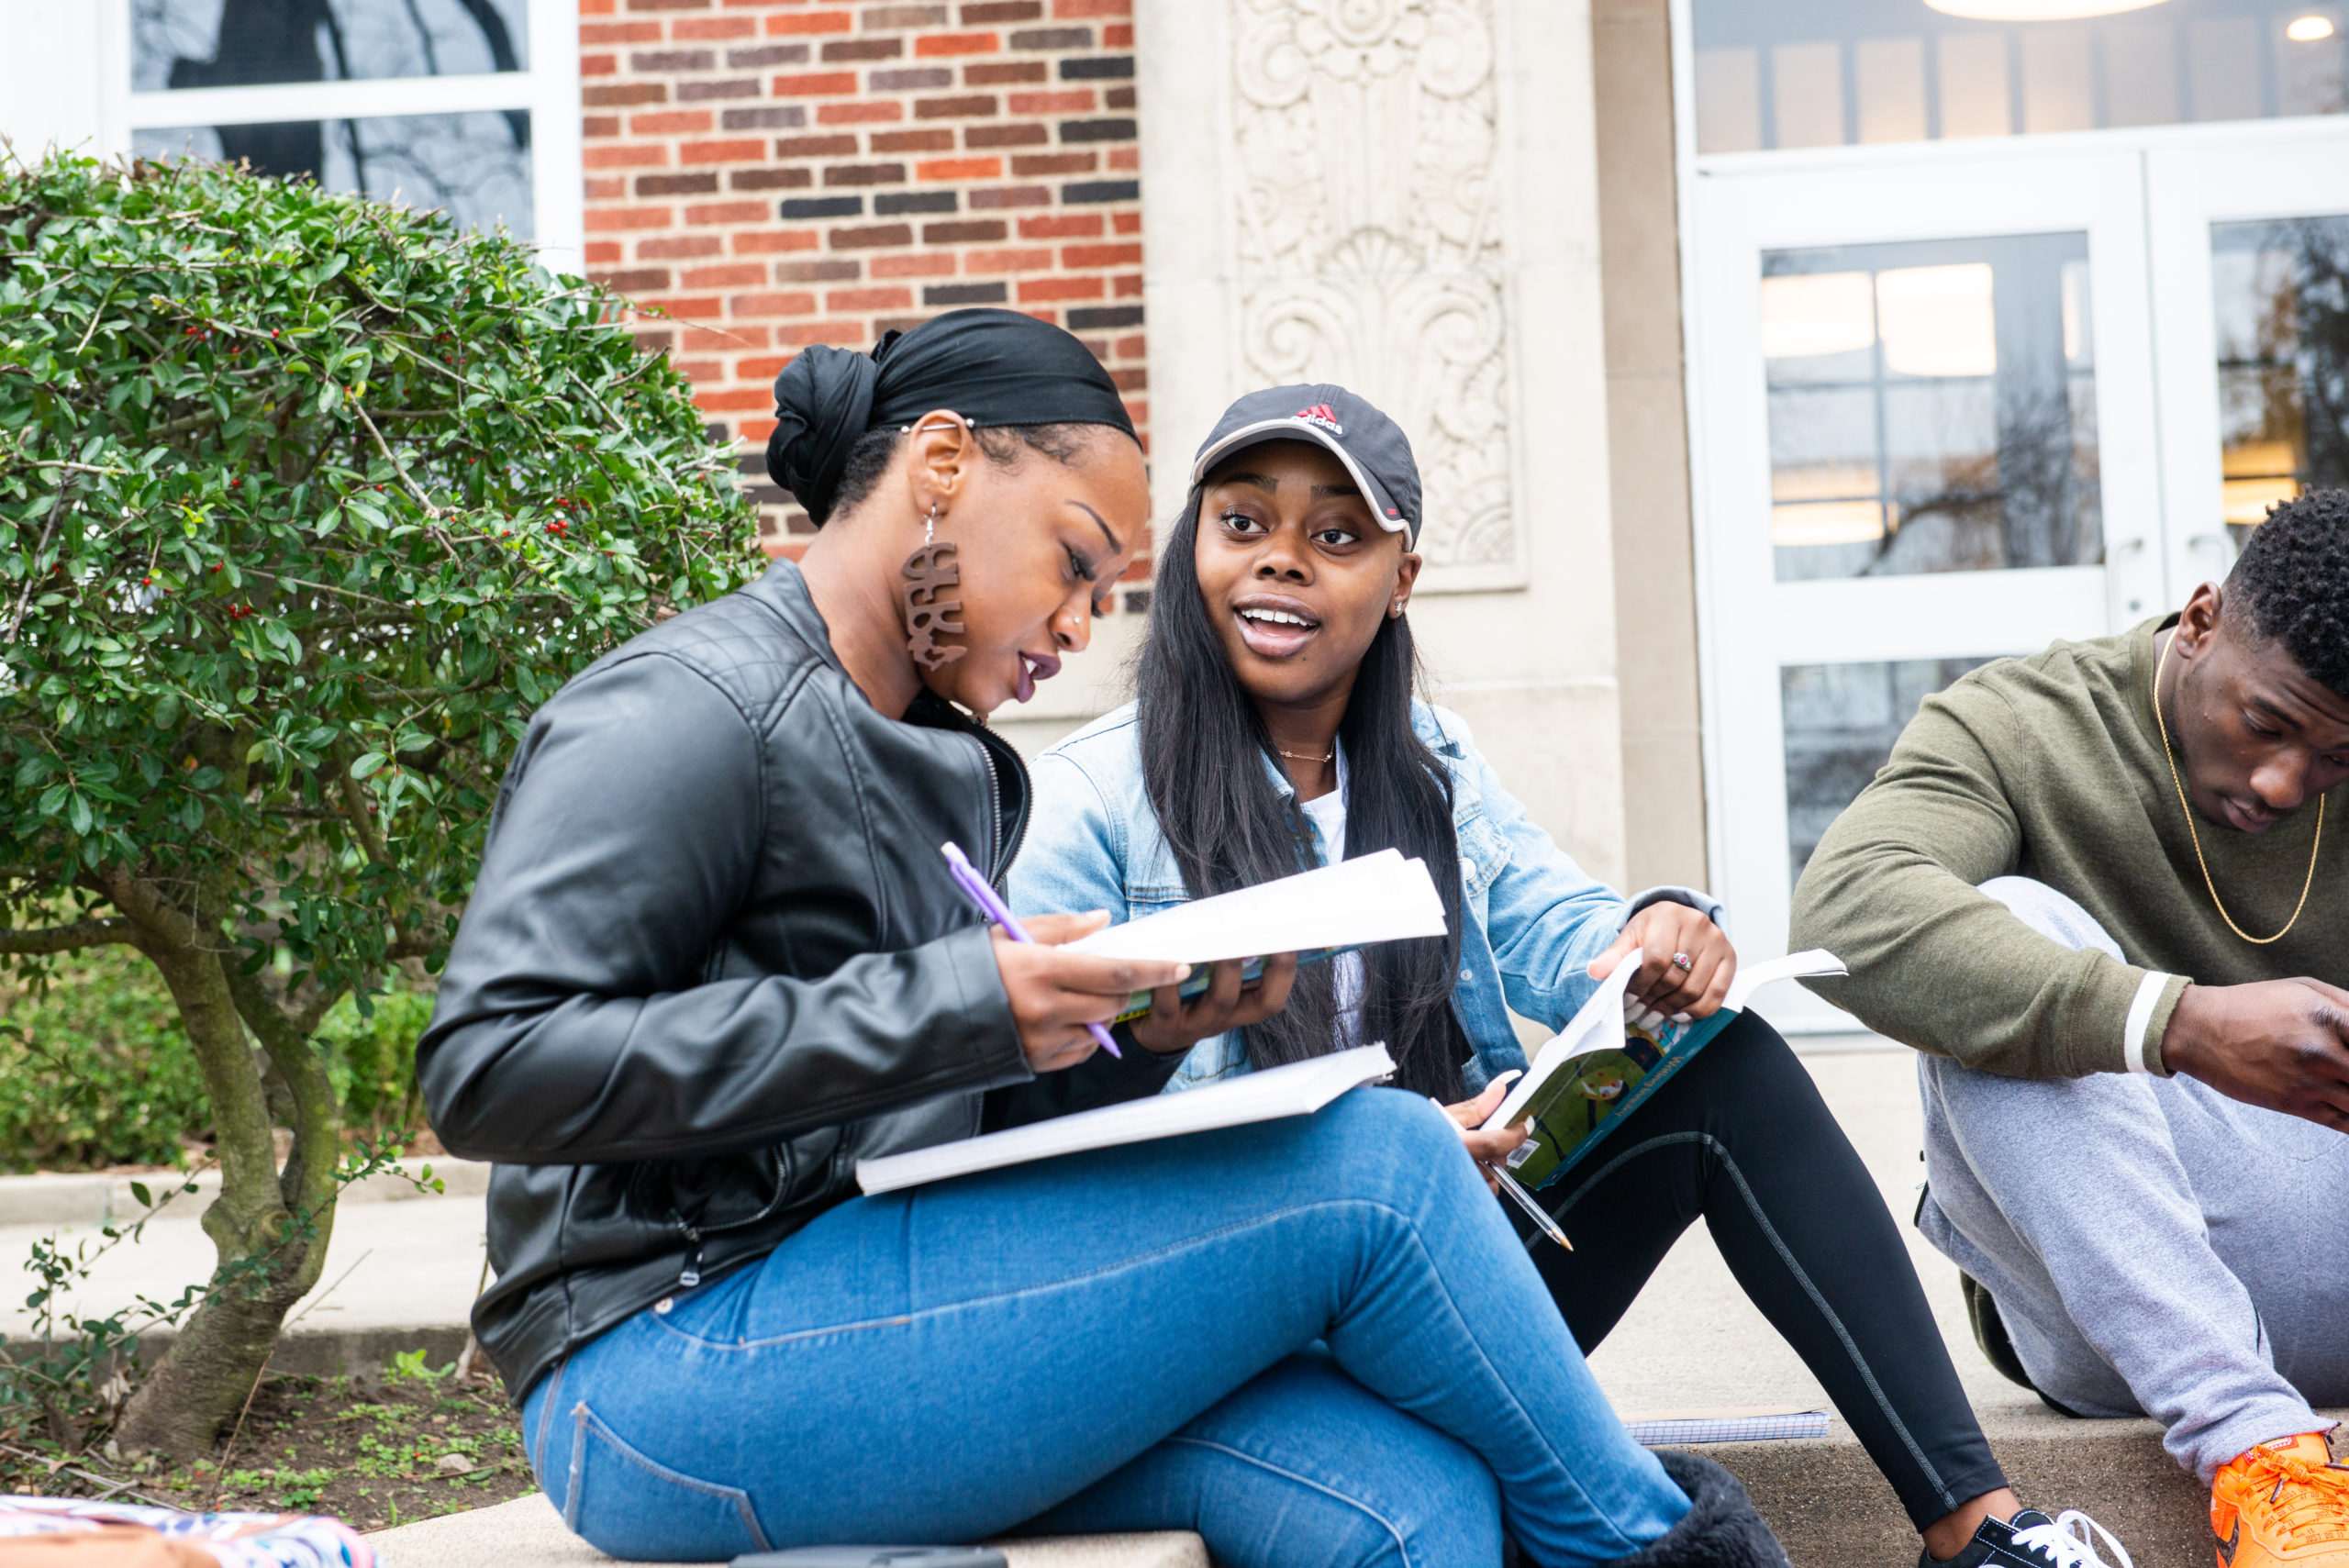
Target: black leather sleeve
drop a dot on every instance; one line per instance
(576, 1024)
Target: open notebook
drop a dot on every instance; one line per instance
(1298, 1089)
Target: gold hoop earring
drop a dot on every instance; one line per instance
(929, 572)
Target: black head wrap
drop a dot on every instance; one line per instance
(993, 367)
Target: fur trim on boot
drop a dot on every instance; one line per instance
(1722, 1530)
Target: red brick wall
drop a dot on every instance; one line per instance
(765, 174)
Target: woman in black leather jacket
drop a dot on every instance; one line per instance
(714, 959)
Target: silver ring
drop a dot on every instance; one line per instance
(1680, 962)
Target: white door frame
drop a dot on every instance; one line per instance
(1749, 625)
(67, 80)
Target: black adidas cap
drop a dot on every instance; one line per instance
(1373, 447)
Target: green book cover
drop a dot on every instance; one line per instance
(1580, 1104)
(1599, 1068)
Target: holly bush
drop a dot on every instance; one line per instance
(305, 503)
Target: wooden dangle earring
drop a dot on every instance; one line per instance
(929, 572)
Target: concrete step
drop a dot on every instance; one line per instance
(401, 1274)
(1692, 1338)
(529, 1533)
(1828, 1504)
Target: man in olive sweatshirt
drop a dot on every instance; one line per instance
(2105, 892)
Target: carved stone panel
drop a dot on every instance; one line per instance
(1369, 243)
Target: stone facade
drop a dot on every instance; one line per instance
(1401, 195)
(1367, 243)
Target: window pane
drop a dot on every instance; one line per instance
(1931, 407)
(223, 43)
(2282, 314)
(1841, 723)
(476, 167)
(1773, 75)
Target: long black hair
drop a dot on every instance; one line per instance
(1205, 751)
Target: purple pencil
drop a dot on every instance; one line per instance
(967, 877)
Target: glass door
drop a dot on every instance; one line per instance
(2249, 241)
(1926, 436)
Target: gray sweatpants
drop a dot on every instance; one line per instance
(2155, 1248)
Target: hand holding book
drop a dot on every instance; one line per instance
(1601, 1065)
(1233, 995)
(1686, 971)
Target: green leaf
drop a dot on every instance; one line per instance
(139, 1190)
(368, 764)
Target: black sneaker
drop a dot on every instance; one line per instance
(2031, 1540)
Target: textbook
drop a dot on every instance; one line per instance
(1599, 1068)
(1298, 1089)
(1315, 914)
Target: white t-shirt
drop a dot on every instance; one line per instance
(1327, 815)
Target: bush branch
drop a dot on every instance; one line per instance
(69, 938)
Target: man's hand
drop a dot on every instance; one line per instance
(1662, 990)
(2280, 1044)
(1489, 1150)
(1055, 994)
(1175, 1025)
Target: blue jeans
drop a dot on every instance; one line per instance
(1312, 1341)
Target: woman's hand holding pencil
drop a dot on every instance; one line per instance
(1491, 1150)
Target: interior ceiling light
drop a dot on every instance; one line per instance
(2309, 29)
(2036, 10)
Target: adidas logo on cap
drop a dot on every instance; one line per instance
(1320, 414)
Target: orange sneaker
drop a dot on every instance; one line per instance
(2282, 1505)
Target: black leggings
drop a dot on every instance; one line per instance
(1741, 1137)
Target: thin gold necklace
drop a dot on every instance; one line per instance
(1301, 757)
(2160, 665)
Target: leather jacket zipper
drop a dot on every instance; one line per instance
(695, 1235)
(1005, 845)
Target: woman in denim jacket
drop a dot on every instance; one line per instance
(1276, 726)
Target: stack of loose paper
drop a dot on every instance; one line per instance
(1762, 1424)
(1298, 1089)
(1376, 898)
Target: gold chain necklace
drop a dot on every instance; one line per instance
(2160, 665)
(1301, 757)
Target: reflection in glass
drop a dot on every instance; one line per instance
(1841, 722)
(1931, 407)
(469, 166)
(221, 43)
(1825, 73)
(2282, 309)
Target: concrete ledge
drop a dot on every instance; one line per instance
(1823, 1497)
(105, 1199)
(1828, 1505)
(529, 1533)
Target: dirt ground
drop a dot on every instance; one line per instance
(374, 1451)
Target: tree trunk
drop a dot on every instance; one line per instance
(270, 1233)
